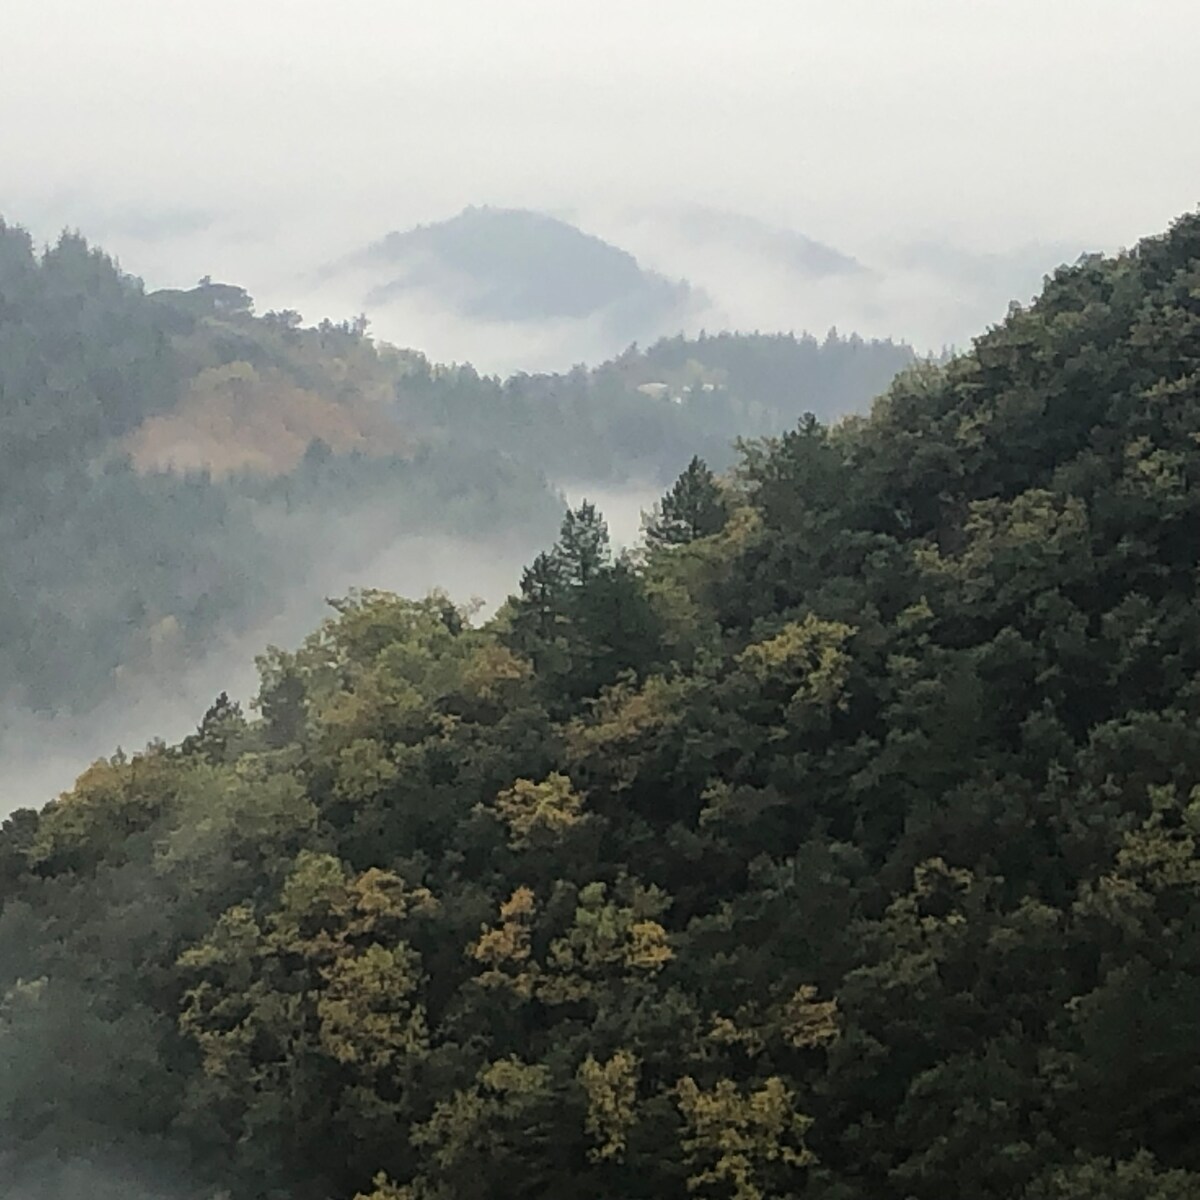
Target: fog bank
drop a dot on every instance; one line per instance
(42, 755)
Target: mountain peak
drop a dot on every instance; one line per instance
(521, 265)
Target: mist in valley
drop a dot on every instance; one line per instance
(42, 754)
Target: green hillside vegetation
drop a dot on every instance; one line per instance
(644, 414)
(139, 519)
(841, 845)
(170, 463)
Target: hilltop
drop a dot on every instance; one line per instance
(509, 264)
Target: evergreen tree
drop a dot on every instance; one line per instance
(695, 507)
(583, 547)
(539, 613)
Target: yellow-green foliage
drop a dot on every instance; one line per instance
(809, 1023)
(327, 969)
(384, 1189)
(737, 1140)
(807, 658)
(541, 812)
(365, 1009)
(611, 1089)
(504, 948)
(801, 1021)
(470, 1124)
(606, 941)
(110, 800)
(623, 729)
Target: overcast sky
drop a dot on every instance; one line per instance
(990, 124)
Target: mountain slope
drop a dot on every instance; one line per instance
(845, 846)
(806, 257)
(157, 490)
(506, 264)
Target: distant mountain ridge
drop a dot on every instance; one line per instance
(509, 264)
(799, 253)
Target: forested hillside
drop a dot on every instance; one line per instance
(518, 265)
(174, 468)
(843, 844)
(171, 462)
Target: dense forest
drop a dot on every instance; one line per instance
(840, 843)
(173, 468)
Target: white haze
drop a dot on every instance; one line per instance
(41, 755)
(932, 293)
(255, 140)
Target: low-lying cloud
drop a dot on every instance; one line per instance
(41, 755)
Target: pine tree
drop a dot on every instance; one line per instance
(583, 546)
(540, 605)
(693, 508)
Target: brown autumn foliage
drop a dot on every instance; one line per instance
(235, 418)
